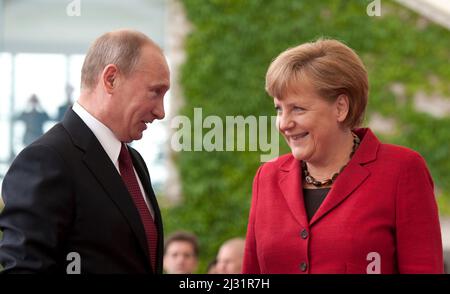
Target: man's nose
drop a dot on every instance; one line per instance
(158, 111)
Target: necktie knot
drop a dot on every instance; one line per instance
(124, 156)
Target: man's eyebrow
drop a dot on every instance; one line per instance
(159, 85)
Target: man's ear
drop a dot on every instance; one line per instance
(342, 107)
(109, 77)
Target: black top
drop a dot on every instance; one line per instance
(313, 198)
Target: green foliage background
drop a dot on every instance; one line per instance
(228, 52)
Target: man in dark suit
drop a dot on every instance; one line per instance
(79, 193)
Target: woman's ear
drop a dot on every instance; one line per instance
(109, 77)
(342, 107)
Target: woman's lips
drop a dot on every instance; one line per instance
(298, 137)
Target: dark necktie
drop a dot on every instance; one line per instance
(130, 180)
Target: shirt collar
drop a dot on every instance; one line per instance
(104, 135)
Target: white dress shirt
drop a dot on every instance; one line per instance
(109, 142)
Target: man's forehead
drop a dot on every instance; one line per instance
(151, 54)
(153, 67)
(159, 77)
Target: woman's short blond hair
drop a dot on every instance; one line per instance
(330, 66)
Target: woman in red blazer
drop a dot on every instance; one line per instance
(341, 202)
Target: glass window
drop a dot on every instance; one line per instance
(42, 75)
(5, 99)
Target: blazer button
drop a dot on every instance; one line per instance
(303, 266)
(304, 234)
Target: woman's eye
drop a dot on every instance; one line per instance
(277, 109)
(296, 108)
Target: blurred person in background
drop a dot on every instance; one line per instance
(181, 253)
(34, 118)
(211, 268)
(229, 258)
(67, 104)
(341, 201)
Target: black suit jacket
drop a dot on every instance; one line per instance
(63, 194)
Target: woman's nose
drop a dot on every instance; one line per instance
(284, 123)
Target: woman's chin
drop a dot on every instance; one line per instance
(299, 155)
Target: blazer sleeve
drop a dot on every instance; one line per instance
(37, 213)
(418, 235)
(250, 263)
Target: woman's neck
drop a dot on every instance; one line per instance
(337, 157)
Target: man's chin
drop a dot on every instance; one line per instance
(138, 136)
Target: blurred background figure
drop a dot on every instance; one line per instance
(212, 267)
(68, 104)
(181, 253)
(34, 118)
(229, 258)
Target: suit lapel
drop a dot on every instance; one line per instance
(290, 183)
(98, 162)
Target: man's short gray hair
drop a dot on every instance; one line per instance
(121, 48)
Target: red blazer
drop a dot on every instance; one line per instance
(380, 209)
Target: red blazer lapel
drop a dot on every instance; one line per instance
(353, 175)
(347, 182)
(290, 183)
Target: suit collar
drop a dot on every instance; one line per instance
(102, 168)
(348, 181)
(79, 132)
(104, 135)
(368, 148)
